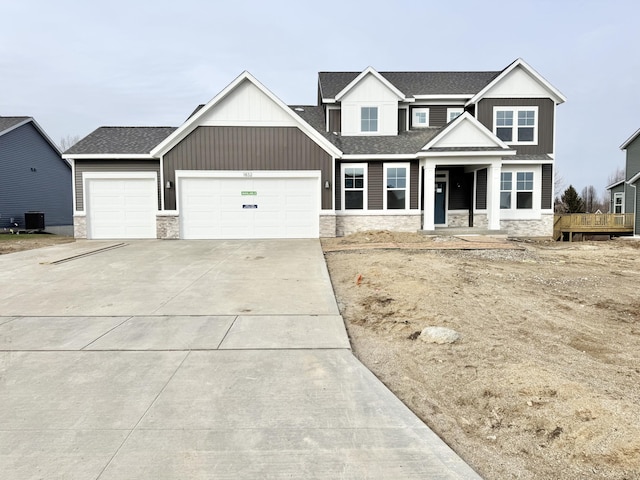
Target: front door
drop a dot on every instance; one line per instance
(439, 214)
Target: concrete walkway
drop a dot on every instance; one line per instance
(174, 360)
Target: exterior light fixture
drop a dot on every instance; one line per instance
(327, 185)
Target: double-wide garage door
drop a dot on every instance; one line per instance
(280, 207)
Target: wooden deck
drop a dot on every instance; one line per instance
(593, 224)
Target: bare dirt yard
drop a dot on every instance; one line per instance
(17, 243)
(544, 382)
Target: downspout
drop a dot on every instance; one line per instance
(635, 208)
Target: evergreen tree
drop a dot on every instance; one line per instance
(571, 201)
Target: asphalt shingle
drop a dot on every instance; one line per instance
(121, 140)
(404, 143)
(8, 122)
(414, 83)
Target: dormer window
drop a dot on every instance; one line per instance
(420, 117)
(453, 113)
(369, 119)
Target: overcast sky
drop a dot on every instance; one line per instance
(77, 65)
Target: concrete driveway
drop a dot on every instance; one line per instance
(192, 359)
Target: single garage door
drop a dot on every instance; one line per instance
(121, 208)
(249, 207)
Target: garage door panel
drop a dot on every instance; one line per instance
(121, 208)
(249, 207)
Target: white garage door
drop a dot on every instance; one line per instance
(249, 207)
(121, 208)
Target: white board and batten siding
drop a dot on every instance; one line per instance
(234, 205)
(121, 206)
(370, 92)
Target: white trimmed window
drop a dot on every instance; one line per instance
(506, 186)
(396, 181)
(521, 189)
(354, 186)
(516, 125)
(453, 113)
(618, 202)
(420, 117)
(524, 190)
(368, 119)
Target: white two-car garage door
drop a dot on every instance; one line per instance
(121, 207)
(254, 207)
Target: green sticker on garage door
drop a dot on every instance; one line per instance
(249, 192)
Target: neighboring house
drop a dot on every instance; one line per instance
(382, 150)
(625, 194)
(33, 178)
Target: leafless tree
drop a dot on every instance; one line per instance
(592, 202)
(67, 142)
(615, 176)
(558, 183)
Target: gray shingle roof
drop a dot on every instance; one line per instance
(414, 83)
(540, 156)
(467, 149)
(121, 140)
(8, 122)
(405, 143)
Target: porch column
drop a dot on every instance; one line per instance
(493, 196)
(429, 196)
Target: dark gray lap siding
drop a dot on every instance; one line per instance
(375, 184)
(94, 166)
(247, 148)
(460, 188)
(546, 109)
(547, 187)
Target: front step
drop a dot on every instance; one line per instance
(456, 231)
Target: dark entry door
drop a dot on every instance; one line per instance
(439, 207)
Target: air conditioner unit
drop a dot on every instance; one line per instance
(34, 221)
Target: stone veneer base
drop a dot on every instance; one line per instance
(348, 224)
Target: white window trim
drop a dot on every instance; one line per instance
(510, 190)
(407, 188)
(515, 213)
(414, 111)
(458, 110)
(330, 108)
(515, 111)
(343, 168)
(618, 195)
(369, 132)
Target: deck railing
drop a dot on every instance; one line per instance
(593, 223)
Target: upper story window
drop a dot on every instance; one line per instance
(420, 117)
(516, 125)
(453, 113)
(369, 119)
(397, 189)
(354, 179)
(523, 192)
